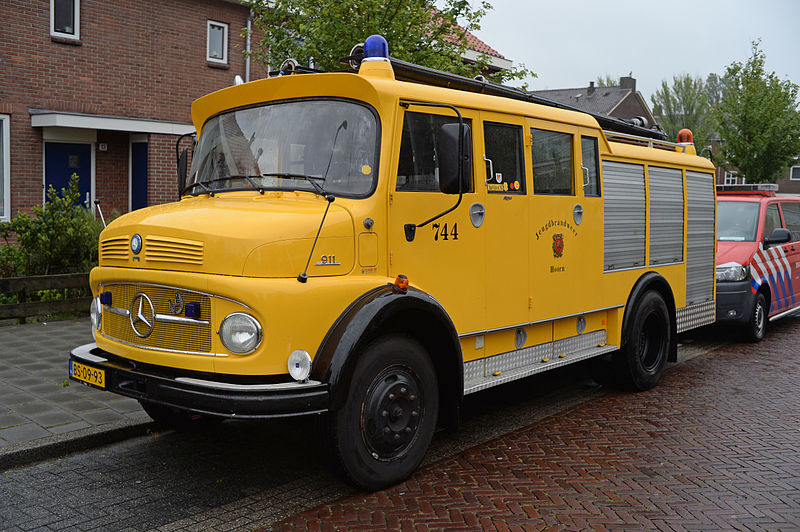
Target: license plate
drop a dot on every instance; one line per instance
(89, 375)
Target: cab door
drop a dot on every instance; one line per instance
(505, 201)
(566, 227)
(791, 250)
(445, 257)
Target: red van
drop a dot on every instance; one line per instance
(758, 256)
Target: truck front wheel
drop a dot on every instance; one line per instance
(380, 435)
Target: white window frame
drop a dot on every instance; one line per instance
(5, 169)
(731, 178)
(792, 172)
(74, 36)
(226, 28)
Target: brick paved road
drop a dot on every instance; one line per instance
(715, 447)
(248, 475)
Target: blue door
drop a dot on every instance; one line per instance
(138, 175)
(61, 160)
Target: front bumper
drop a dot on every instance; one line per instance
(202, 395)
(735, 301)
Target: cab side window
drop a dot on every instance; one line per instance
(504, 167)
(590, 167)
(552, 163)
(418, 168)
(791, 216)
(772, 220)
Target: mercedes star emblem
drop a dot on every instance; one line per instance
(142, 315)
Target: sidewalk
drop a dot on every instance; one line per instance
(42, 413)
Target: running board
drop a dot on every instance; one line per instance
(499, 369)
(785, 314)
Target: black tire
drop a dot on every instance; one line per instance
(646, 341)
(380, 435)
(756, 328)
(180, 420)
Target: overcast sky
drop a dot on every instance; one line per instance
(570, 42)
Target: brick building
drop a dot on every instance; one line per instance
(103, 89)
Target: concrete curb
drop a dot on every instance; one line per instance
(22, 454)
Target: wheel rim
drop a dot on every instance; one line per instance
(391, 413)
(651, 343)
(759, 319)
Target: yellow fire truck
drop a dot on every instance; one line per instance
(373, 246)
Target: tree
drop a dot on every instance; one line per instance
(684, 105)
(607, 81)
(758, 121)
(326, 30)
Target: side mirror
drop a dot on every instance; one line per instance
(182, 163)
(779, 235)
(449, 156)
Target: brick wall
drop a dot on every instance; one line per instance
(141, 59)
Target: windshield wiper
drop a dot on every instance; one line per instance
(205, 188)
(310, 178)
(211, 191)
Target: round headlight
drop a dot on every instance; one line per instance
(96, 313)
(240, 333)
(299, 365)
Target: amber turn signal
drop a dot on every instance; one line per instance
(401, 284)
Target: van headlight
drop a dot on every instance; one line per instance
(731, 271)
(240, 333)
(96, 313)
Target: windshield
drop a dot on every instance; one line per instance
(737, 220)
(304, 145)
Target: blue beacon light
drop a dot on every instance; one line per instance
(376, 48)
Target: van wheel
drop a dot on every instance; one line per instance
(641, 361)
(380, 435)
(757, 326)
(180, 420)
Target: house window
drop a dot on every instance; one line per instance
(217, 42)
(795, 175)
(5, 169)
(65, 18)
(731, 178)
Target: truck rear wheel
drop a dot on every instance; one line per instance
(380, 435)
(647, 336)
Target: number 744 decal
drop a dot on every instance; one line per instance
(440, 231)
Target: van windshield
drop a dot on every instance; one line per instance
(309, 145)
(737, 220)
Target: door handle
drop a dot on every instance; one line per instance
(491, 168)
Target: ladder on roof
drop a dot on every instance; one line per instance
(405, 71)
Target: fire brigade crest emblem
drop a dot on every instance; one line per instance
(558, 244)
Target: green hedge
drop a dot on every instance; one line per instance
(61, 237)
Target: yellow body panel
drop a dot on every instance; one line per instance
(246, 249)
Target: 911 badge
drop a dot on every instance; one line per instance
(558, 244)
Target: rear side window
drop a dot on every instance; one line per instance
(552, 163)
(418, 168)
(791, 217)
(591, 184)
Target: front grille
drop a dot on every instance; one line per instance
(191, 337)
(163, 249)
(115, 248)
